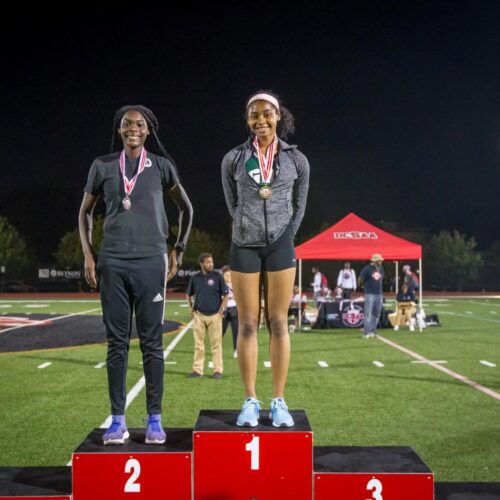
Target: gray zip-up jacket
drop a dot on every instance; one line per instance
(258, 222)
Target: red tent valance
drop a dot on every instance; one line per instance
(352, 238)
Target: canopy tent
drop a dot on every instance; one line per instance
(353, 238)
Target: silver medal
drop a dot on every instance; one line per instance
(127, 204)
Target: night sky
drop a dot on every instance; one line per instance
(397, 107)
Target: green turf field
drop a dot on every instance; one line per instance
(46, 413)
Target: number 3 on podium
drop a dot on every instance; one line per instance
(376, 488)
(253, 448)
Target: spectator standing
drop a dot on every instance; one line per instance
(347, 280)
(371, 277)
(210, 297)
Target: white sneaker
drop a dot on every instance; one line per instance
(396, 328)
(235, 354)
(412, 328)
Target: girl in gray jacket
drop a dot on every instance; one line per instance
(265, 183)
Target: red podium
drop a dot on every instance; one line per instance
(35, 483)
(262, 462)
(134, 470)
(371, 473)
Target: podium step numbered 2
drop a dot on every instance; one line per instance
(134, 470)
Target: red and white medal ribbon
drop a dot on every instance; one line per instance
(266, 161)
(128, 185)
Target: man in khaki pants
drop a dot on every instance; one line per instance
(210, 296)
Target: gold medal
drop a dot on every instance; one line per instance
(265, 191)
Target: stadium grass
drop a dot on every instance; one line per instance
(45, 414)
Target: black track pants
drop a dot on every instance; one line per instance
(133, 286)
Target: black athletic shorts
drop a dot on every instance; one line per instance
(275, 257)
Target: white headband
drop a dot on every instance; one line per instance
(264, 97)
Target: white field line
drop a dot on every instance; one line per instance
(170, 362)
(438, 361)
(488, 363)
(456, 376)
(267, 364)
(468, 312)
(52, 319)
(378, 364)
(490, 304)
(469, 316)
(44, 365)
(100, 365)
(36, 305)
(493, 312)
(210, 364)
(323, 364)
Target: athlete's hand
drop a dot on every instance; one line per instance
(90, 274)
(174, 261)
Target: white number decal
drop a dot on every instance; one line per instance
(133, 466)
(376, 488)
(253, 448)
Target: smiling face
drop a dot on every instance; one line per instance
(133, 129)
(262, 120)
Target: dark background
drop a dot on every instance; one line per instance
(396, 106)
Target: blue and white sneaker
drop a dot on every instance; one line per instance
(250, 412)
(279, 413)
(154, 431)
(117, 432)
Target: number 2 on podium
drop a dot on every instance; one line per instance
(253, 448)
(133, 466)
(376, 488)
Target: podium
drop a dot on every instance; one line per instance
(366, 473)
(135, 469)
(35, 483)
(218, 460)
(262, 462)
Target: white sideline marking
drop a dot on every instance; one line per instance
(456, 376)
(468, 312)
(267, 364)
(100, 365)
(210, 364)
(44, 365)
(479, 318)
(487, 363)
(142, 381)
(5, 305)
(438, 361)
(323, 364)
(379, 364)
(493, 312)
(36, 305)
(170, 362)
(53, 319)
(181, 305)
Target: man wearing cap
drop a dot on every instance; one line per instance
(372, 277)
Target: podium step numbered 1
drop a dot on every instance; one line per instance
(262, 462)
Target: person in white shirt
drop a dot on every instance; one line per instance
(317, 285)
(347, 280)
(298, 302)
(231, 312)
